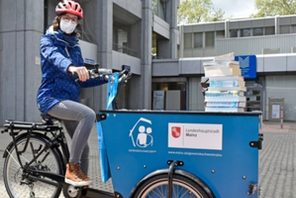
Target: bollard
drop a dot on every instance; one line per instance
(282, 117)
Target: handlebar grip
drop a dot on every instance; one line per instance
(105, 71)
(75, 75)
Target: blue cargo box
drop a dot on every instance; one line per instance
(220, 149)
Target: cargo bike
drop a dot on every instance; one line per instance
(153, 154)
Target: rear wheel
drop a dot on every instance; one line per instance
(17, 183)
(183, 187)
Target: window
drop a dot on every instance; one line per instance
(154, 49)
(163, 90)
(124, 31)
(187, 40)
(269, 30)
(257, 31)
(293, 29)
(210, 39)
(233, 33)
(284, 29)
(220, 34)
(158, 8)
(120, 39)
(245, 32)
(198, 40)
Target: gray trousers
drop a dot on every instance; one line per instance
(78, 120)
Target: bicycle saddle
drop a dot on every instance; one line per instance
(48, 119)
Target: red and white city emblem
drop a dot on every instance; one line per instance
(176, 131)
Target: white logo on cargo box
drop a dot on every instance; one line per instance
(195, 136)
(141, 133)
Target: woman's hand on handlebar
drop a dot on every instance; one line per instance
(82, 72)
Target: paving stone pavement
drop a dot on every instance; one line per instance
(277, 162)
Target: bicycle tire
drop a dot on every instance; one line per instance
(183, 187)
(17, 184)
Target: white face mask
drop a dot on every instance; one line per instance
(68, 26)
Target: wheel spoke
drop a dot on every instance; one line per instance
(183, 187)
(16, 161)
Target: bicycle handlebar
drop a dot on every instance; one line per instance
(96, 72)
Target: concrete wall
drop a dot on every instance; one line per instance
(132, 6)
(20, 29)
(194, 66)
(195, 97)
(282, 86)
(161, 27)
(119, 59)
(165, 67)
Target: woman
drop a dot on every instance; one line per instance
(58, 95)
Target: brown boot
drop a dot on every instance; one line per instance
(75, 176)
(82, 175)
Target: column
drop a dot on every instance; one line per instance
(104, 31)
(146, 45)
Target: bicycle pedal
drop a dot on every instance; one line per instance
(72, 191)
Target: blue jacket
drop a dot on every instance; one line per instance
(58, 51)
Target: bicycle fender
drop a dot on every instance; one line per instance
(10, 145)
(176, 172)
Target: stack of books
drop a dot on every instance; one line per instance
(226, 91)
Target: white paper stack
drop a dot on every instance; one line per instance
(226, 91)
(222, 68)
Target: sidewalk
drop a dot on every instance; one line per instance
(273, 127)
(277, 161)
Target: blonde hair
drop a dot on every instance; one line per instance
(56, 23)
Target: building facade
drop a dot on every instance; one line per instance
(166, 60)
(113, 33)
(271, 39)
(269, 35)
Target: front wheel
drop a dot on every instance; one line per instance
(183, 187)
(17, 182)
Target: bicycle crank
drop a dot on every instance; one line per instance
(71, 191)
